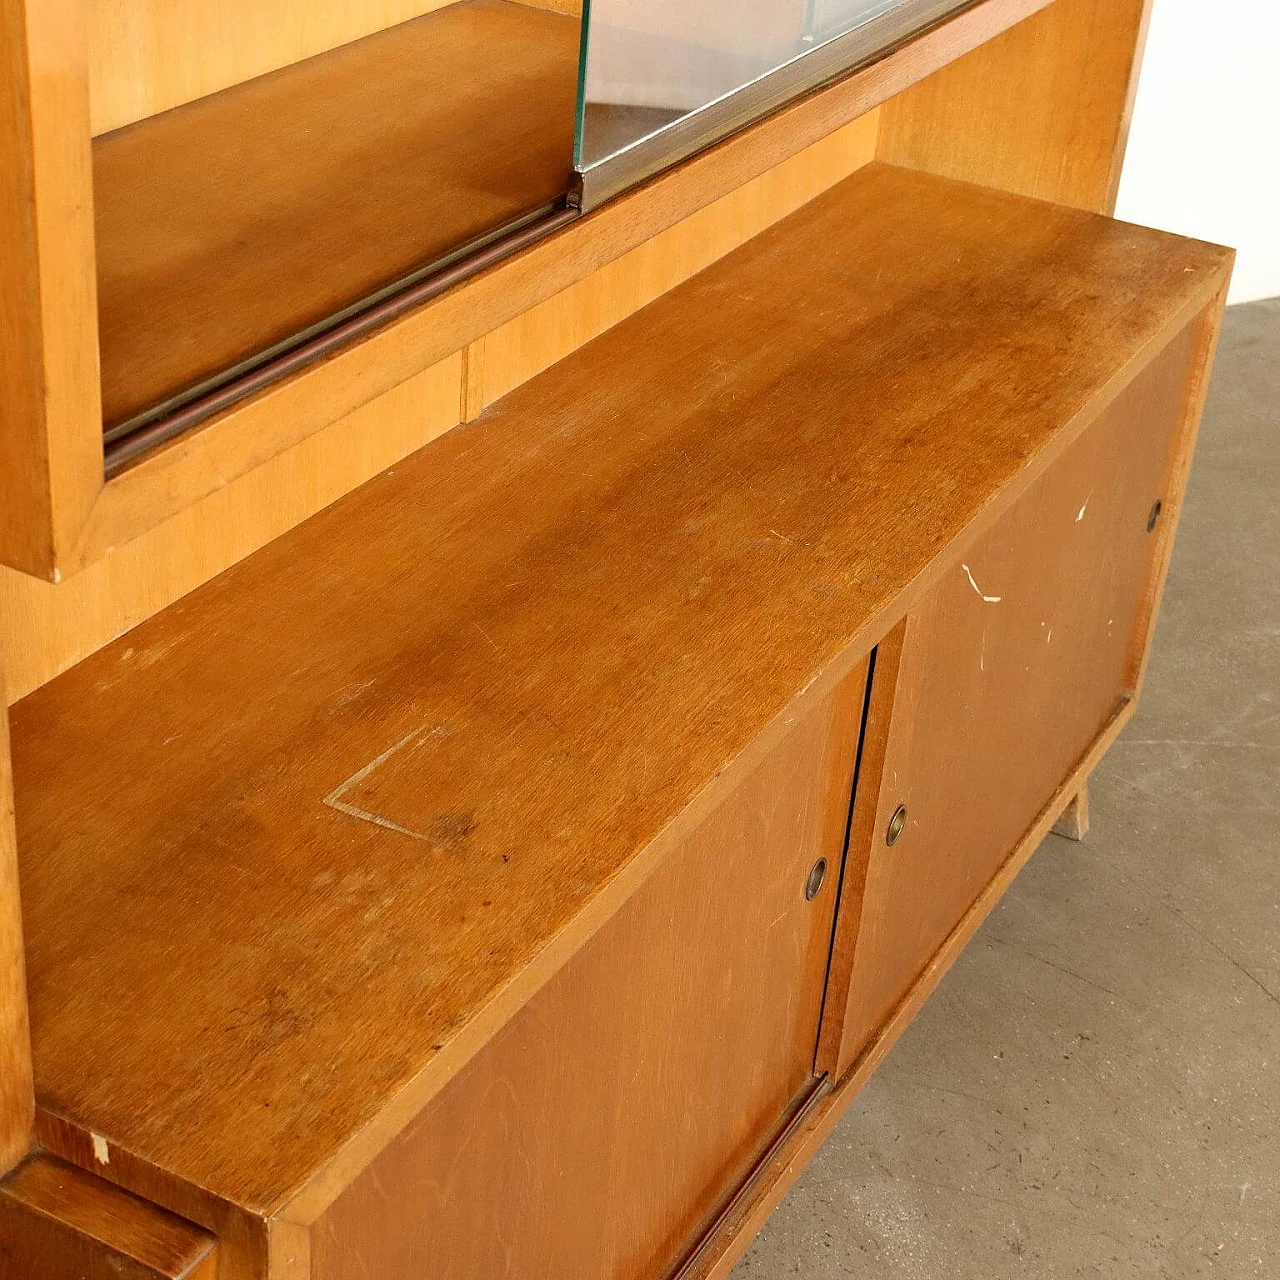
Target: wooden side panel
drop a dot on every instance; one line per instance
(58, 1222)
(16, 1102)
(597, 1134)
(50, 446)
(1043, 110)
(1009, 671)
(1206, 332)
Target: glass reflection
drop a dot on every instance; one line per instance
(651, 65)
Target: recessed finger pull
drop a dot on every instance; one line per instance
(897, 825)
(813, 886)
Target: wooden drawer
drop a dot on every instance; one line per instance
(1008, 671)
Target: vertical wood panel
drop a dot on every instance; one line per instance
(16, 1103)
(1206, 332)
(1042, 110)
(50, 441)
(146, 56)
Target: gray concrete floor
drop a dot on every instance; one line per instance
(1094, 1090)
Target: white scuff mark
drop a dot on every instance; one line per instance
(1049, 638)
(100, 1152)
(1080, 513)
(987, 599)
(334, 798)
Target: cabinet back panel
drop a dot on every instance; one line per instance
(146, 56)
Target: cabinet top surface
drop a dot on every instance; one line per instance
(293, 848)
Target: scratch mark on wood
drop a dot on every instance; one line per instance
(100, 1152)
(334, 798)
(488, 639)
(978, 589)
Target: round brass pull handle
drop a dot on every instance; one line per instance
(897, 824)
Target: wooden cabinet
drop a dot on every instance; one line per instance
(601, 1130)
(1006, 673)
(423, 777)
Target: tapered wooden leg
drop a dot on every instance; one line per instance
(1074, 822)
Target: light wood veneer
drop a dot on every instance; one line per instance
(331, 820)
(229, 225)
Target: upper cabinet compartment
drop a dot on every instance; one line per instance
(250, 225)
(234, 216)
(664, 78)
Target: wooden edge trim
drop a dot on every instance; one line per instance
(52, 468)
(1126, 112)
(288, 1250)
(227, 447)
(737, 1232)
(868, 787)
(52, 1206)
(304, 1204)
(17, 1097)
(1174, 489)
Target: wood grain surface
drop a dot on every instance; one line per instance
(58, 1222)
(43, 631)
(1042, 110)
(1010, 670)
(334, 817)
(613, 1115)
(50, 448)
(146, 56)
(235, 222)
(206, 461)
(17, 1103)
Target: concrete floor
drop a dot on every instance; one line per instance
(1094, 1090)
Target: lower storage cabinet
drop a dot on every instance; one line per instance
(1006, 675)
(603, 1128)
(513, 871)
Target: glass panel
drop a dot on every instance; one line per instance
(661, 78)
(251, 231)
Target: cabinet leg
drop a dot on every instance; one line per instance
(1074, 822)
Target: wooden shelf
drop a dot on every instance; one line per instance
(294, 848)
(237, 222)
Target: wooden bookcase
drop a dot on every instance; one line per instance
(487, 803)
